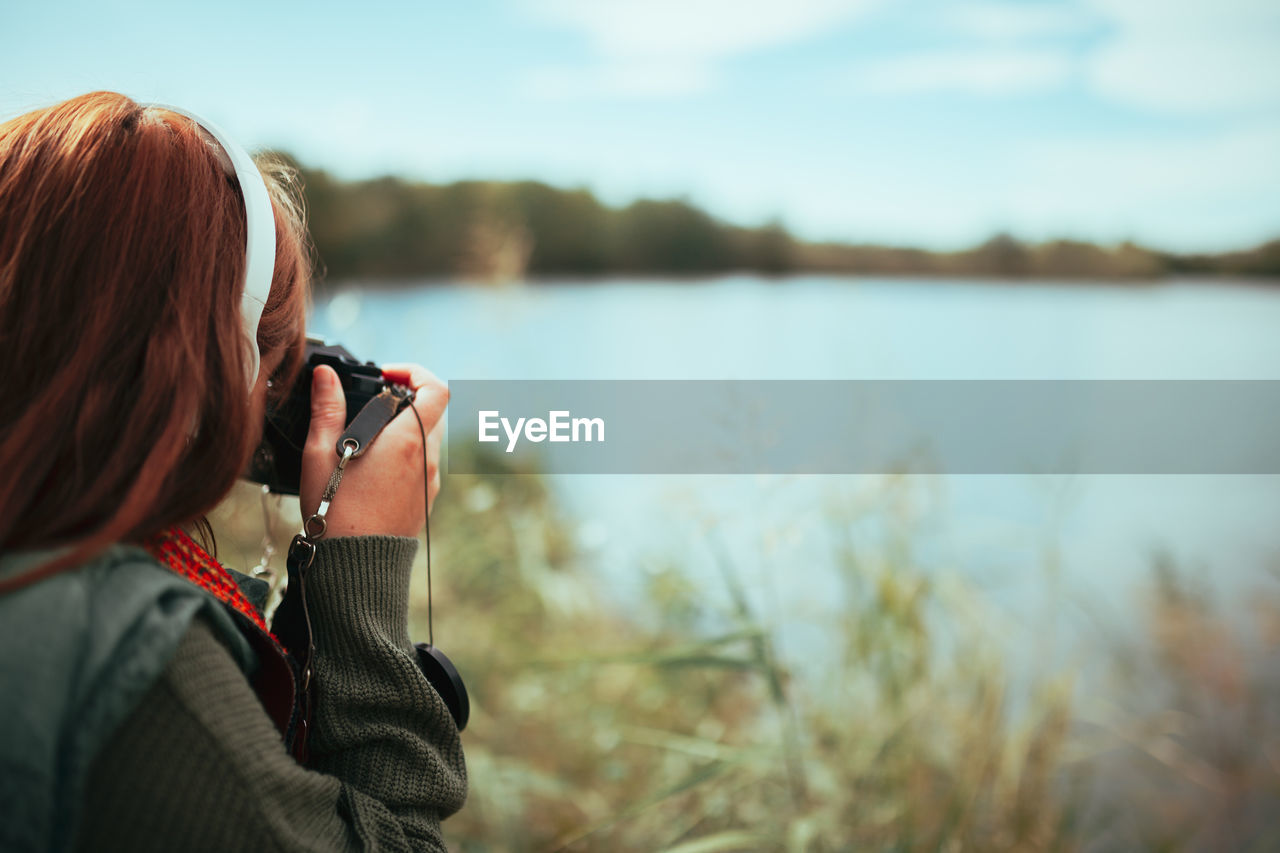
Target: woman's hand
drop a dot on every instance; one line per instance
(381, 492)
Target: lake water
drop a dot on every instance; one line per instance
(1038, 547)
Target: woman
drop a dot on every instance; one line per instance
(143, 704)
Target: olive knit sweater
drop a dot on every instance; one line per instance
(197, 764)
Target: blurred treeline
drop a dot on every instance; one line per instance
(391, 228)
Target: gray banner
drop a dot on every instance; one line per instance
(866, 427)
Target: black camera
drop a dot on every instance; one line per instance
(277, 463)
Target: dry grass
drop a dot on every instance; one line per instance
(595, 730)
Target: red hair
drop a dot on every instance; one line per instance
(122, 248)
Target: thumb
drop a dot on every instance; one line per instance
(328, 411)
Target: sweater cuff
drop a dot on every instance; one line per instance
(359, 586)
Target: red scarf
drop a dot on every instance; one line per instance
(175, 549)
(274, 681)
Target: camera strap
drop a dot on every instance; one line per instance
(292, 621)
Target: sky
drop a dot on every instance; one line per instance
(918, 122)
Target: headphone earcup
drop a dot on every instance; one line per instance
(444, 677)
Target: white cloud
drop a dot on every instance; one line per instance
(694, 29)
(1182, 56)
(669, 47)
(1009, 22)
(1190, 55)
(994, 72)
(633, 79)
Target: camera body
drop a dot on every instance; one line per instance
(277, 463)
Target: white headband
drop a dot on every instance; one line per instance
(260, 228)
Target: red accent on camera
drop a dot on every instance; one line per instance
(399, 376)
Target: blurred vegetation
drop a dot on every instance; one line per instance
(389, 228)
(674, 723)
(1186, 753)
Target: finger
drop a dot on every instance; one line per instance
(431, 400)
(433, 454)
(328, 410)
(433, 490)
(435, 438)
